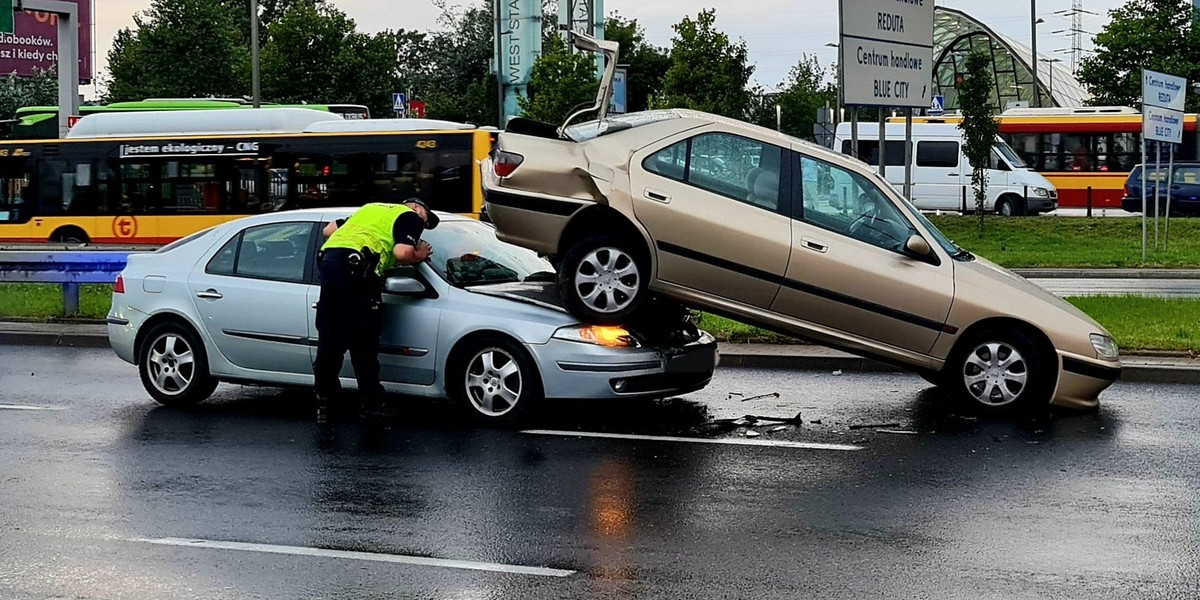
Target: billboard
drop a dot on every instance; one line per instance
(886, 52)
(34, 43)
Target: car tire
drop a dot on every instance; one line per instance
(1001, 371)
(174, 366)
(603, 280)
(493, 380)
(1007, 206)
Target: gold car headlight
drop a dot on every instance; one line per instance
(601, 335)
(1105, 346)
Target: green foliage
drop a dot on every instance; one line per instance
(16, 92)
(179, 48)
(708, 72)
(450, 69)
(314, 53)
(562, 81)
(647, 64)
(1152, 34)
(807, 89)
(979, 123)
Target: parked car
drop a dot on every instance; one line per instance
(480, 322)
(941, 172)
(1182, 191)
(788, 236)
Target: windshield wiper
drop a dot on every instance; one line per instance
(541, 276)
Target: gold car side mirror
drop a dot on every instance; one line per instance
(916, 246)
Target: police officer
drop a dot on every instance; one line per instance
(349, 314)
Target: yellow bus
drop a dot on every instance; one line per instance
(151, 178)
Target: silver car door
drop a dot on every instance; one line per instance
(253, 297)
(408, 346)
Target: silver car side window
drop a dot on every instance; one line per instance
(276, 252)
(849, 204)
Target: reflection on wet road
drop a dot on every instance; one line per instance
(259, 502)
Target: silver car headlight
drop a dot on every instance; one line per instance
(1043, 192)
(601, 335)
(1105, 346)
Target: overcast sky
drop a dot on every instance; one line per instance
(777, 32)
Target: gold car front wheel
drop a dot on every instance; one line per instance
(1002, 371)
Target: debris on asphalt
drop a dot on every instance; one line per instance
(761, 396)
(837, 372)
(875, 426)
(777, 429)
(862, 440)
(796, 420)
(897, 431)
(732, 395)
(750, 433)
(815, 421)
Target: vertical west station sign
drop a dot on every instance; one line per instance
(886, 52)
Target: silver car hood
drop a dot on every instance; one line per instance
(541, 294)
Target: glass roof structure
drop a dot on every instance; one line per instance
(956, 34)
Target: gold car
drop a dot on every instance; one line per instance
(770, 230)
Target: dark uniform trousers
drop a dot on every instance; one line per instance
(349, 317)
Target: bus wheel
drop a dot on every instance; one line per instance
(69, 235)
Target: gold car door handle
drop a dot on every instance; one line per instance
(813, 245)
(657, 196)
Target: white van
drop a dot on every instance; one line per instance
(940, 171)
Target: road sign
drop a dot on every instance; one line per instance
(6, 16)
(617, 105)
(417, 109)
(400, 104)
(1163, 98)
(937, 108)
(886, 50)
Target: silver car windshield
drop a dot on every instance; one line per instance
(467, 253)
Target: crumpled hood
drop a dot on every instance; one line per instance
(541, 294)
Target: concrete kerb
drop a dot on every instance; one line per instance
(1147, 368)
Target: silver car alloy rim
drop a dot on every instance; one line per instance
(172, 364)
(607, 280)
(494, 382)
(995, 374)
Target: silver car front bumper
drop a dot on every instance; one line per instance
(578, 370)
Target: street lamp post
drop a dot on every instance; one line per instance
(1051, 61)
(1033, 23)
(837, 102)
(255, 88)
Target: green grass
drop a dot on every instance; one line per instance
(44, 301)
(1147, 323)
(1136, 323)
(1072, 241)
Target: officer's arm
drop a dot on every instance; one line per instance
(408, 255)
(409, 249)
(332, 227)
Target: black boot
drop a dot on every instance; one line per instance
(373, 408)
(322, 410)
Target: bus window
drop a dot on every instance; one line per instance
(192, 187)
(139, 189)
(14, 190)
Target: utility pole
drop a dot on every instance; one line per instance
(255, 87)
(1037, 94)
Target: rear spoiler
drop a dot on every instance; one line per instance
(610, 50)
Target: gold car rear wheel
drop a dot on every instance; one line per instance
(603, 280)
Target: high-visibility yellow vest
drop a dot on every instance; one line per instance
(370, 228)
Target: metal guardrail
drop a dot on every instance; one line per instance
(67, 268)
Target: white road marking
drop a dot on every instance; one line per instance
(352, 555)
(24, 407)
(691, 440)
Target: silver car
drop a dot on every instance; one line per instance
(479, 322)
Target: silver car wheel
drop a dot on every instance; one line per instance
(995, 374)
(172, 364)
(494, 382)
(607, 280)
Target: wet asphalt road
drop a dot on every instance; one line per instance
(1094, 505)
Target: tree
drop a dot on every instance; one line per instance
(1151, 34)
(39, 90)
(647, 64)
(560, 83)
(314, 54)
(450, 69)
(179, 48)
(708, 72)
(807, 89)
(979, 124)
